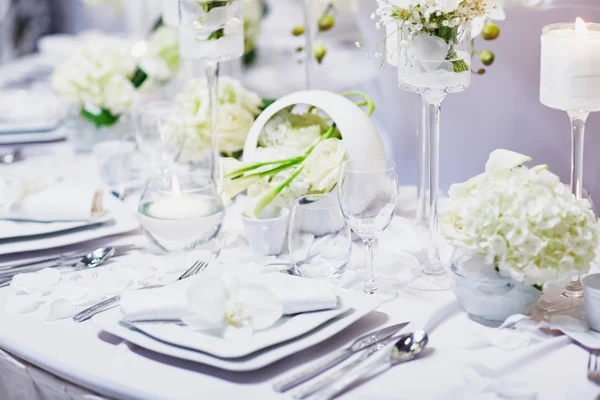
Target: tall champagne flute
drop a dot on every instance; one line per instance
(211, 32)
(568, 75)
(433, 67)
(368, 192)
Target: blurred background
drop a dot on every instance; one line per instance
(500, 110)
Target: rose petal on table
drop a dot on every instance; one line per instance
(24, 304)
(40, 282)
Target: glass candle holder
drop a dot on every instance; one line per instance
(179, 212)
(570, 81)
(433, 64)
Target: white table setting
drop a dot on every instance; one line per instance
(193, 239)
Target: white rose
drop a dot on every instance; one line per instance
(322, 165)
(234, 124)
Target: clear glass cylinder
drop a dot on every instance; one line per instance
(434, 61)
(211, 30)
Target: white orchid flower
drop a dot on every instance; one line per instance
(235, 309)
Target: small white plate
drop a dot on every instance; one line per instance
(359, 306)
(122, 221)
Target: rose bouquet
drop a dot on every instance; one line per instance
(190, 123)
(299, 153)
(523, 221)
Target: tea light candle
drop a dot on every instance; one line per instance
(570, 66)
(178, 206)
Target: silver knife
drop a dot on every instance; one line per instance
(337, 357)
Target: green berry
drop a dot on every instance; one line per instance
(326, 22)
(298, 30)
(487, 57)
(490, 31)
(320, 52)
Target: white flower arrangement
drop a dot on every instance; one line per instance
(161, 61)
(438, 19)
(237, 111)
(524, 222)
(98, 78)
(300, 154)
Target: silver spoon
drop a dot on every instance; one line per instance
(10, 156)
(405, 349)
(90, 260)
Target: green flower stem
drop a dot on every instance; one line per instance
(241, 171)
(270, 195)
(276, 170)
(368, 101)
(105, 118)
(139, 77)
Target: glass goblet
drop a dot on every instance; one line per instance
(368, 192)
(319, 239)
(179, 212)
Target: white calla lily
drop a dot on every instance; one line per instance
(502, 160)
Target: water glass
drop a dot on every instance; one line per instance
(180, 211)
(119, 164)
(319, 239)
(367, 193)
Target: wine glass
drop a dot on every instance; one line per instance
(319, 240)
(368, 192)
(211, 32)
(433, 67)
(180, 211)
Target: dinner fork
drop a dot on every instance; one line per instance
(112, 302)
(593, 373)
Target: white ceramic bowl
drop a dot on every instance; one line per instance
(359, 133)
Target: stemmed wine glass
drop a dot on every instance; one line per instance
(433, 67)
(368, 192)
(211, 32)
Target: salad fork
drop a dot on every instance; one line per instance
(593, 372)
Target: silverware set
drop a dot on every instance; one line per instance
(398, 349)
(198, 266)
(593, 370)
(77, 259)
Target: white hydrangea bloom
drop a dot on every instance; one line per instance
(525, 222)
(97, 76)
(161, 60)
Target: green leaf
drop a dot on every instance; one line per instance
(538, 287)
(268, 102)
(139, 77)
(219, 33)
(105, 118)
(159, 23)
(249, 58)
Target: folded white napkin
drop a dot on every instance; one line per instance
(58, 203)
(296, 294)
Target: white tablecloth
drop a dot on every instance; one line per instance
(96, 362)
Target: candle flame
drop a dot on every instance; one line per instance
(175, 186)
(580, 26)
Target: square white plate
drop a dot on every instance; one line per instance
(122, 221)
(359, 306)
(18, 229)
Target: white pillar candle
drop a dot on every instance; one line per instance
(570, 66)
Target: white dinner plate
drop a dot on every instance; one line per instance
(359, 305)
(122, 221)
(10, 229)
